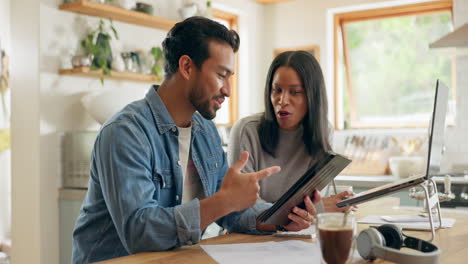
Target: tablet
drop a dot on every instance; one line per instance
(317, 177)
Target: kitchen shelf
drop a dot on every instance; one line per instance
(117, 13)
(121, 76)
(267, 2)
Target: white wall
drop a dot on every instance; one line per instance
(5, 156)
(253, 60)
(458, 143)
(26, 180)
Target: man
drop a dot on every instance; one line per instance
(158, 173)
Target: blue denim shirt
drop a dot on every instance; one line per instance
(133, 203)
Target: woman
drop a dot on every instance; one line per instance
(293, 132)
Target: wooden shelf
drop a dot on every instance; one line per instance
(121, 76)
(268, 2)
(117, 13)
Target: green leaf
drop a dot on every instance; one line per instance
(101, 25)
(115, 32)
(106, 71)
(102, 81)
(157, 53)
(157, 70)
(102, 61)
(94, 49)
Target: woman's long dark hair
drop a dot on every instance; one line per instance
(315, 122)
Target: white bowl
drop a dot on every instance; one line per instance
(188, 11)
(101, 105)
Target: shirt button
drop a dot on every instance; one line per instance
(174, 129)
(180, 163)
(177, 197)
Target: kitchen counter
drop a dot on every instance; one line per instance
(72, 194)
(357, 181)
(371, 181)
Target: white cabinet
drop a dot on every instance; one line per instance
(70, 201)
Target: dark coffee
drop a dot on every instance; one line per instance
(335, 243)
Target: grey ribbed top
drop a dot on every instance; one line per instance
(291, 156)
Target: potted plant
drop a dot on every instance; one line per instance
(97, 45)
(158, 66)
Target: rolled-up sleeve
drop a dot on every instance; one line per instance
(246, 220)
(124, 163)
(187, 218)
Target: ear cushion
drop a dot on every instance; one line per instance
(392, 234)
(367, 240)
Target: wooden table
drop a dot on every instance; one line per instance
(453, 241)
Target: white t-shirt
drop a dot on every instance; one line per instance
(192, 185)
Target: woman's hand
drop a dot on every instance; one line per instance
(330, 202)
(304, 218)
(300, 218)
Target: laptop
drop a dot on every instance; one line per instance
(435, 152)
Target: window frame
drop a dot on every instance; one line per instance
(339, 20)
(233, 21)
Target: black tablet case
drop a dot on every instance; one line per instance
(317, 177)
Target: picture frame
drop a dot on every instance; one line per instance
(312, 49)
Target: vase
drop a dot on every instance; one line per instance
(118, 63)
(127, 4)
(104, 53)
(188, 11)
(81, 61)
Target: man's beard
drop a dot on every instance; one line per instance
(203, 107)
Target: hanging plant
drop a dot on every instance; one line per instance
(97, 45)
(158, 65)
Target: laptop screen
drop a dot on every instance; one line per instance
(437, 130)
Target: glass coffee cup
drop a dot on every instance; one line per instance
(336, 232)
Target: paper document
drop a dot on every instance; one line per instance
(411, 218)
(304, 233)
(411, 222)
(291, 251)
(267, 252)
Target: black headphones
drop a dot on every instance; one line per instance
(386, 240)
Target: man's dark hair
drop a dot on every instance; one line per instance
(315, 122)
(191, 37)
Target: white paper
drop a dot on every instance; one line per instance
(304, 233)
(291, 251)
(409, 218)
(416, 223)
(266, 252)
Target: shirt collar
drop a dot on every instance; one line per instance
(163, 119)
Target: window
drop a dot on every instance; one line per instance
(228, 114)
(385, 74)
